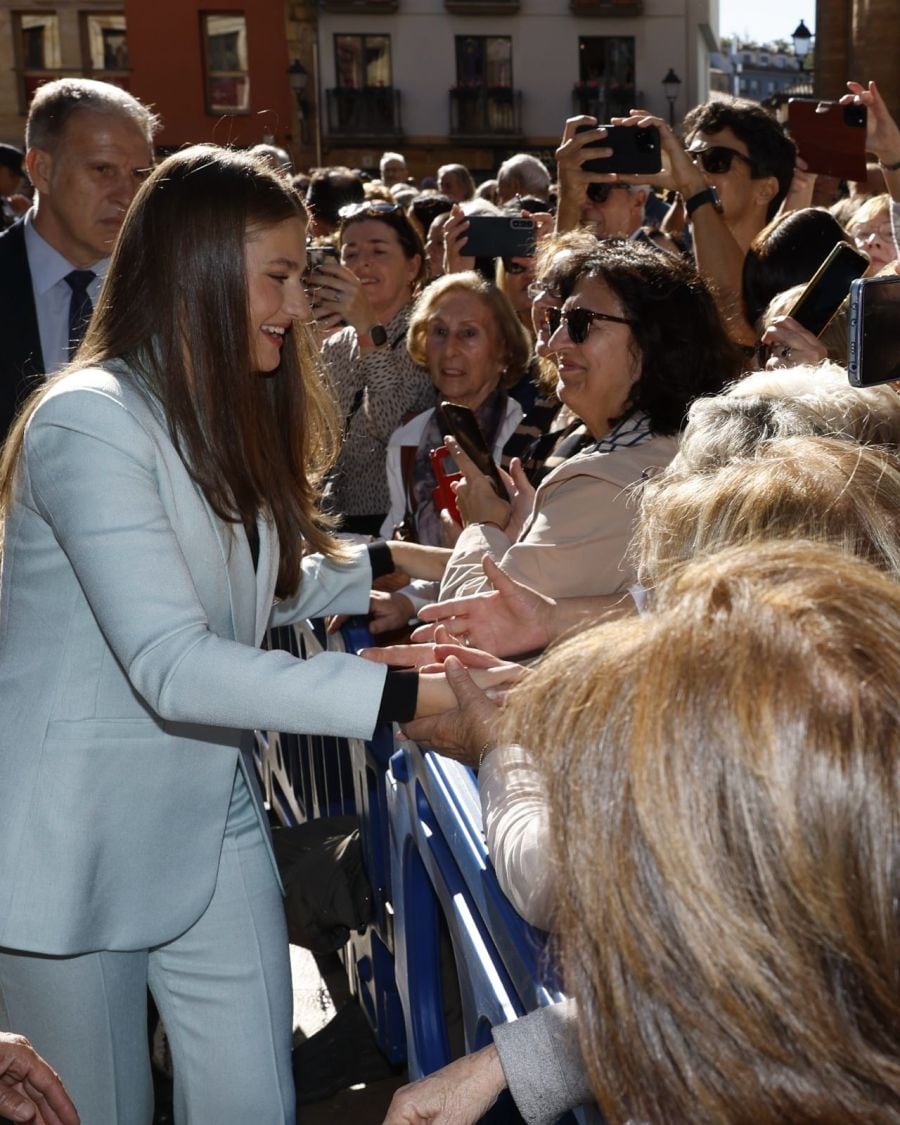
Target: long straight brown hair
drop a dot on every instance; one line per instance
(175, 308)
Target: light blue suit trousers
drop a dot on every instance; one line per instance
(87, 1014)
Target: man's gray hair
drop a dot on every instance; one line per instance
(526, 173)
(388, 157)
(55, 102)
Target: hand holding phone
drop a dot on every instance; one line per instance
(828, 288)
(461, 423)
(829, 136)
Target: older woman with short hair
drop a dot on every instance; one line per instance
(467, 335)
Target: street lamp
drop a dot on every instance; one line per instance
(801, 37)
(671, 84)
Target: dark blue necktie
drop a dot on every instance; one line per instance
(80, 306)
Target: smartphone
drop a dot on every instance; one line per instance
(318, 255)
(636, 151)
(499, 236)
(829, 136)
(442, 494)
(874, 331)
(460, 422)
(827, 289)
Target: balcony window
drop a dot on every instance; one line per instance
(227, 69)
(484, 62)
(362, 60)
(605, 86)
(105, 47)
(38, 52)
(360, 7)
(364, 103)
(481, 7)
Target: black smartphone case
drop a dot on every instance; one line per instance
(636, 151)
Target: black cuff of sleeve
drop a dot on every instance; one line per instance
(400, 695)
(380, 559)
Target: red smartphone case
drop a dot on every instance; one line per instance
(830, 137)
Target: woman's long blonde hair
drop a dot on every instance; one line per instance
(725, 813)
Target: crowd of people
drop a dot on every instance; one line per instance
(220, 399)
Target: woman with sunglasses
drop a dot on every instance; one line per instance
(636, 339)
(377, 385)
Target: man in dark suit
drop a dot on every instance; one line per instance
(12, 168)
(88, 146)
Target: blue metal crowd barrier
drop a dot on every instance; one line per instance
(441, 922)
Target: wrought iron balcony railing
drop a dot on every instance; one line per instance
(367, 111)
(485, 111)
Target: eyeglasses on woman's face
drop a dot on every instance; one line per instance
(578, 321)
(716, 160)
(882, 232)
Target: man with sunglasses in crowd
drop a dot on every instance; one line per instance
(731, 180)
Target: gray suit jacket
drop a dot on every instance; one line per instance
(130, 620)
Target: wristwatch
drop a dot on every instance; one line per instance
(376, 336)
(708, 195)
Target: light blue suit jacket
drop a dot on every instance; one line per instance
(130, 620)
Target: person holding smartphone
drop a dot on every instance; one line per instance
(370, 293)
(882, 140)
(731, 180)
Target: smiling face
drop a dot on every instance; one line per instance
(275, 261)
(463, 349)
(372, 250)
(596, 378)
(87, 182)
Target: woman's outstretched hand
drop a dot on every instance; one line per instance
(510, 620)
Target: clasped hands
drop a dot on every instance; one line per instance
(461, 690)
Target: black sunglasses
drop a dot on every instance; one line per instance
(372, 207)
(578, 321)
(717, 159)
(599, 193)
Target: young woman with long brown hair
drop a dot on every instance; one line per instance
(157, 497)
